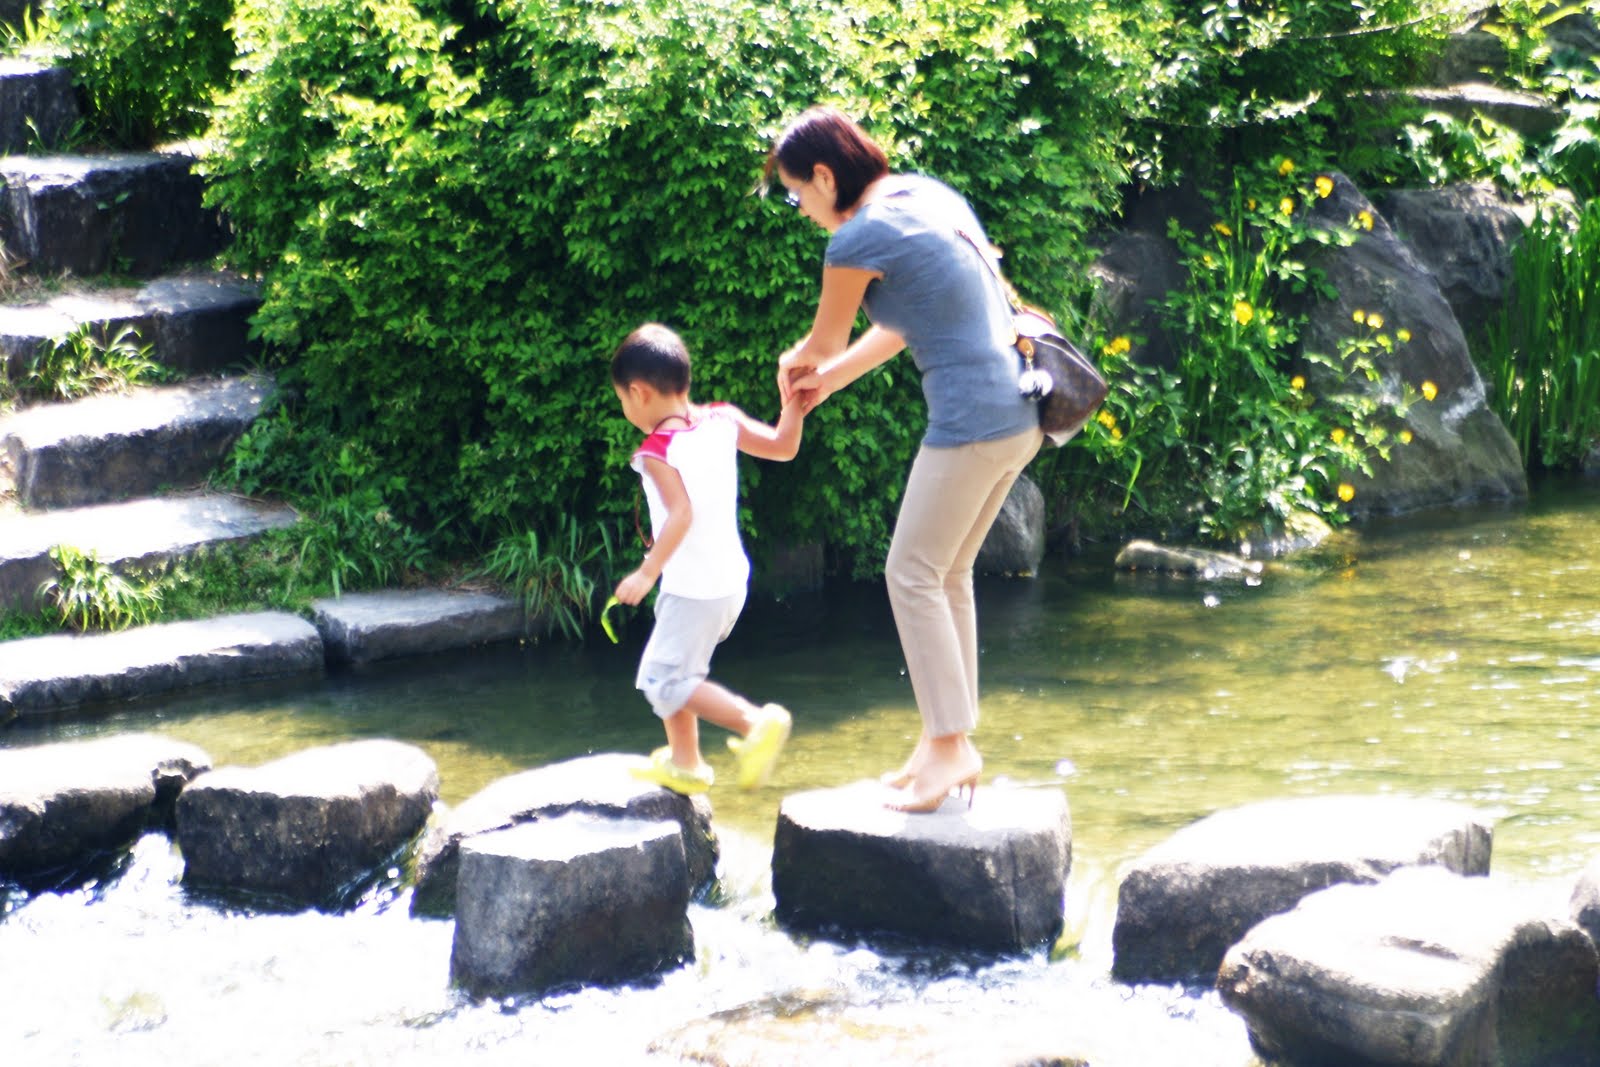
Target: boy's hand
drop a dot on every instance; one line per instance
(635, 587)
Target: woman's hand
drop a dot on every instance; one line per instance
(794, 365)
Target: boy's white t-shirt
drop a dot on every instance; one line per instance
(710, 562)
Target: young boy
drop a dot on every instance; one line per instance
(689, 466)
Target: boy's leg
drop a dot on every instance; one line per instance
(673, 669)
(683, 737)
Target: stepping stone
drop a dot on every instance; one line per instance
(37, 104)
(311, 828)
(137, 533)
(40, 676)
(598, 785)
(1185, 901)
(570, 900)
(138, 213)
(61, 804)
(115, 446)
(1586, 900)
(194, 323)
(393, 623)
(1423, 968)
(991, 877)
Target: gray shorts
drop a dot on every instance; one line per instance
(677, 658)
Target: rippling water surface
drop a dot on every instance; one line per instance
(1456, 657)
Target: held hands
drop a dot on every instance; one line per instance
(800, 380)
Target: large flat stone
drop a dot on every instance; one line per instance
(392, 623)
(62, 803)
(137, 533)
(310, 828)
(36, 102)
(122, 445)
(1426, 969)
(138, 212)
(1182, 903)
(195, 323)
(990, 877)
(570, 900)
(598, 785)
(41, 676)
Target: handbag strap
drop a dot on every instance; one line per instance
(989, 256)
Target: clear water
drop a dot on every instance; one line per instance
(1456, 656)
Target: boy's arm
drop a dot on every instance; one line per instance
(780, 442)
(669, 483)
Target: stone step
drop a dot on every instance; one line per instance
(133, 533)
(132, 212)
(37, 105)
(124, 445)
(194, 323)
(40, 676)
(394, 623)
(989, 878)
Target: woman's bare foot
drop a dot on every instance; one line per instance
(907, 773)
(950, 762)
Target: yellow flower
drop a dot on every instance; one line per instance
(1106, 419)
(1375, 320)
(1119, 346)
(1298, 382)
(1286, 168)
(1224, 229)
(1116, 433)
(1346, 492)
(1324, 186)
(1404, 335)
(1338, 435)
(1358, 315)
(1250, 203)
(1286, 205)
(1243, 312)
(1365, 219)
(1405, 437)
(1429, 390)
(1205, 257)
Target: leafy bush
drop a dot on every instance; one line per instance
(556, 578)
(87, 594)
(460, 209)
(1542, 353)
(84, 361)
(148, 69)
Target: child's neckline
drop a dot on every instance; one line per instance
(686, 416)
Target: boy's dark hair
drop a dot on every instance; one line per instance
(655, 355)
(827, 135)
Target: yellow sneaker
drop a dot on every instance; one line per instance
(660, 769)
(757, 753)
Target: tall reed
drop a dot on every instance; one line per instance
(1542, 353)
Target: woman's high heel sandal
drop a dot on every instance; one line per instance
(931, 802)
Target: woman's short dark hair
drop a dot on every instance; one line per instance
(828, 136)
(655, 355)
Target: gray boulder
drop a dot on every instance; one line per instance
(1182, 903)
(1586, 900)
(570, 900)
(1461, 451)
(1424, 968)
(36, 102)
(309, 828)
(393, 623)
(598, 785)
(60, 804)
(1464, 234)
(1015, 543)
(990, 877)
(1139, 555)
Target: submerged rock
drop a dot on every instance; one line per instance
(1182, 903)
(598, 785)
(62, 803)
(1189, 562)
(570, 900)
(310, 827)
(990, 877)
(1423, 968)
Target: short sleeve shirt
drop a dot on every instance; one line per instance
(938, 293)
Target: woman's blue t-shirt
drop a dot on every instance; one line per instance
(938, 293)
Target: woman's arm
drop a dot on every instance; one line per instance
(872, 349)
(842, 290)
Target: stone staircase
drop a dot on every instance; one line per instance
(122, 476)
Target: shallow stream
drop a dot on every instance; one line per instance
(1453, 656)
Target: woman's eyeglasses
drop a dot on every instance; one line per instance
(791, 197)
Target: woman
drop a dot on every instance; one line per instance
(906, 248)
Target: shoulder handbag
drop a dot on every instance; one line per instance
(1066, 384)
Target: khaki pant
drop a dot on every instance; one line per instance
(951, 500)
